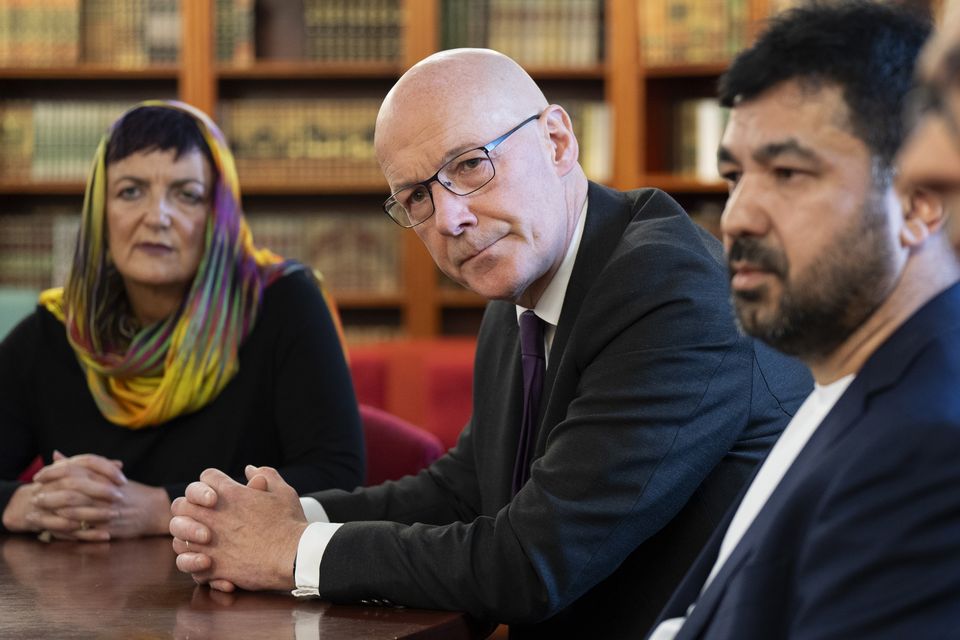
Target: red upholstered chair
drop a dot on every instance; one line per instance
(395, 448)
(35, 466)
(427, 382)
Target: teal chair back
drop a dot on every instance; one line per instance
(15, 305)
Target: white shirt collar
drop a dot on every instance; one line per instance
(551, 302)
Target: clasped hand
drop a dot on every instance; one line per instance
(229, 535)
(87, 497)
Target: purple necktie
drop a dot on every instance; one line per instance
(534, 363)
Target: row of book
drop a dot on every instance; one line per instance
(356, 252)
(233, 37)
(565, 33)
(131, 33)
(692, 31)
(569, 33)
(698, 125)
(118, 33)
(320, 30)
(338, 30)
(297, 141)
(52, 140)
(275, 141)
(36, 248)
(39, 34)
(301, 140)
(593, 128)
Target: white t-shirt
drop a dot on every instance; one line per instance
(791, 442)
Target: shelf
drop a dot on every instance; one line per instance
(685, 70)
(293, 69)
(89, 72)
(366, 300)
(26, 188)
(682, 184)
(640, 99)
(593, 72)
(256, 187)
(247, 187)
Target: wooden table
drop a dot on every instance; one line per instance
(132, 590)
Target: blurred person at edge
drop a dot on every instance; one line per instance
(851, 527)
(930, 158)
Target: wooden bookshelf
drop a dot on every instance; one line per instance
(255, 186)
(28, 188)
(639, 96)
(305, 70)
(89, 72)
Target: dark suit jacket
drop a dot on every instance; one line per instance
(649, 387)
(861, 539)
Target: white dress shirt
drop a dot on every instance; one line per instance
(318, 533)
(791, 442)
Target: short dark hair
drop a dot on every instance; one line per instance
(156, 128)
(866, 48)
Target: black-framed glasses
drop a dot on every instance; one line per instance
(461, 176)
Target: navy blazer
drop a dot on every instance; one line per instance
(861, 539)
(654, 412)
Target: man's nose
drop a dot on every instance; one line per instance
(745, 213)
(451, 212)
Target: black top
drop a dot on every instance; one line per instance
(291, 405)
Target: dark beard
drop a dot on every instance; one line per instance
(820, 308)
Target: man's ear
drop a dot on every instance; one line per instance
(564, 147)
(924, 214)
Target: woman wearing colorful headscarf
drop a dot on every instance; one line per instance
(176, 345)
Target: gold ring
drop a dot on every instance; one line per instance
(83, 525)
(186, 543)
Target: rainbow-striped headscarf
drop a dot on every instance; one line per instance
(179, 365)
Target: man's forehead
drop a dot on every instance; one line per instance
(791, 115)
(415, 154)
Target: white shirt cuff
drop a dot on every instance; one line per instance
(313, 510)
(310, 550)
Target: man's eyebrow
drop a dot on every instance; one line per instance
(725, 155)
(447, 157)
(770, 152)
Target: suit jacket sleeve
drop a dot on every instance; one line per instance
(651, 390)
(445, 492)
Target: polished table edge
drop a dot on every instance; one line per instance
(131, 588)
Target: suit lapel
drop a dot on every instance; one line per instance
(881, 371)
(601, 234)
(843, 414)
